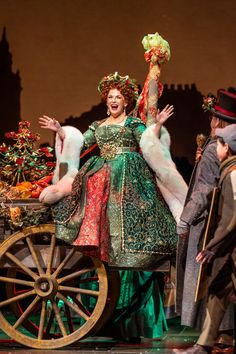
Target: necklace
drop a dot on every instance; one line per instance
(109, 135)
(114, 121)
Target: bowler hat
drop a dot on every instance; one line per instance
(224, 106)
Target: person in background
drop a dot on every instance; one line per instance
(193, 219)
(219, 255)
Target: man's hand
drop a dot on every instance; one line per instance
(205, 256)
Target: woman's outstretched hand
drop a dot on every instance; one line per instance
(162, 117)
(52, 124)
(49, 123)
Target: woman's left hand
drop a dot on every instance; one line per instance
(163, 115)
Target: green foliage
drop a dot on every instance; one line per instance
(21, 161)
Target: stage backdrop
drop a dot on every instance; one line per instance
(63, 47)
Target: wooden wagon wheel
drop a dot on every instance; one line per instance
(53, 288)
(113, 278)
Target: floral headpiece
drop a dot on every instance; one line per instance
(209, 102)
(124, 84)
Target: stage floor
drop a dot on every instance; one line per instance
(176, 337)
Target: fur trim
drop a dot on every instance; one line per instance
(68, 151)
(54, 193)
(165, 137)
(175, 206)
(170, 182)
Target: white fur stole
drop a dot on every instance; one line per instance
(67, 151)
(156, 152)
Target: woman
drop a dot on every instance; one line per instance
(115, 210)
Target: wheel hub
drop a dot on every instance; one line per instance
(46, 286)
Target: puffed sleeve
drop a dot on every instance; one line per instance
(89, 135)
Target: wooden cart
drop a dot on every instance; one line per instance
(51, 294)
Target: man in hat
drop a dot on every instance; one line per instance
(220, 252)
(194, 217)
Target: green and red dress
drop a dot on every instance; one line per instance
(116, 211)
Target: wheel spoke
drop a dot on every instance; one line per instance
(17, 298)
(26, 313)
(64, 262)
(79, 290)
(87, 280)
(51, 254)
(21, 265)
(34, 255)
(16, 281)
(69, 319)
(75, 275)
(80, 305)
(59, 320)
(50, 321)
(42, 320)
(72, 306)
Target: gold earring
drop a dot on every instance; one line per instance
(108, 112)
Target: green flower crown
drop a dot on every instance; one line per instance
(124, 84)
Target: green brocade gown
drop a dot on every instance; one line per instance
(139, 311)
(115, 210)
(117, 213)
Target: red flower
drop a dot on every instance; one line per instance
(24, 124)
(50, 164)
(11, 135)
(45, 151)
(20, 160)
(3, 148)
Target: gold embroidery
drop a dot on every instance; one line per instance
(108, 151)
